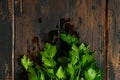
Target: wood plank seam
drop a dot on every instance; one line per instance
(106, 40)
(12, 39)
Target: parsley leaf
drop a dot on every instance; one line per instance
(25, 62)
(70, 39)
(90, 74)
(60, 73)
(48, 55)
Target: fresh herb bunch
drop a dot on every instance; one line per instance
(77, 63)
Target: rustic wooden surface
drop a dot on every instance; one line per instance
(5, 40)
(38, 17)
(113, 40)
(97, 22)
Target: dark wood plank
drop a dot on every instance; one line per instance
(38, 17)
(89, 17)
(113, 39)
(5, 39)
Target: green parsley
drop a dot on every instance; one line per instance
(78, 64)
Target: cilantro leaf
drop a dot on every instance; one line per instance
(48, 62)
(40, 73)
(70, 69)
(70, 39)
(60, 73)
(90, 74)
(49, 51)
(74, 54)
(48, 55)
(32, 74)
(25, 62)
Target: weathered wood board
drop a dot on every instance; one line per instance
(5, 40)
(96, 21)
(113, 40)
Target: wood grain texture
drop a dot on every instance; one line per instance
(39, 17)
(113, 40)
(89, 19)
(5, 40)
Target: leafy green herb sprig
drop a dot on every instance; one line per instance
(78, 64)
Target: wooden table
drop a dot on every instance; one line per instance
(97, 21)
